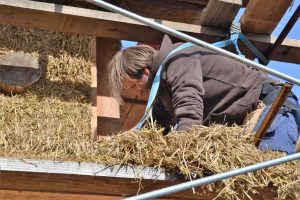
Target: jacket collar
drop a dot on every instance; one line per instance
(159, 56)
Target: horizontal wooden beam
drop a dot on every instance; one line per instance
(178, 11)
(34, 195)
(94, 179)
(105, 24)
(82, 169)
(201, 2)
(262, 16)
(80, 178)
(220, 13)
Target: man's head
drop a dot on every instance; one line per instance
(132, 64)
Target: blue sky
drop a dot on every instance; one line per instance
(287, 68)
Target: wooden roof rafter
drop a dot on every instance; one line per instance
(220, 13)
(262, 16)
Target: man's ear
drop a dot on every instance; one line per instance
(146, 71)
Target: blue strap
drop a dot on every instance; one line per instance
(222, 44)
(234, 36)
(156, 83)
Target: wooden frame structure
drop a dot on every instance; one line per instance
(110, 25)
(27, 179)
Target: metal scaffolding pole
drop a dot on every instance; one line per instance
(188, 38)
(214, 178)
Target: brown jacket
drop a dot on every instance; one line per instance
(199, 86)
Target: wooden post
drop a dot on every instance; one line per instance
(108, 109)
(92, 49)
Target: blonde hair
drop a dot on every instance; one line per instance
(129, 62)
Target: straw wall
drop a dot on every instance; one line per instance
(58, 106)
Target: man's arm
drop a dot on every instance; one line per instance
(184, 78)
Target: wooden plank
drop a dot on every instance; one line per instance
(178, 11)
(94, 179)
(220, 13)
(262, 16)
(201, 2)
(93, 90)
(83, 169)
(108, 109)
(105, 24)
(163, 9)
(29, 195)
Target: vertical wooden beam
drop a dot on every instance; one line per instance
(93, 89)
(262, 16)
(220, 13)
(108, 109)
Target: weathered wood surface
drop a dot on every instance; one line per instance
(42, 176)
(108, 109)
(32, 195)
(93, 96)
(262, 16)
(220, 13)
(201, 2)
(178, 11)
(186, 11)
(110, 25)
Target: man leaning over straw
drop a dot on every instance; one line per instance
(198, 86)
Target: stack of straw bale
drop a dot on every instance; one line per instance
(52, 121)
(58, 106)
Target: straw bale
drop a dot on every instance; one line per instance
(205, 151)
(58, 106)
(52, 121)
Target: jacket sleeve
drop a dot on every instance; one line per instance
(184, 79)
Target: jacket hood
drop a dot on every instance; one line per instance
(165, 48)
